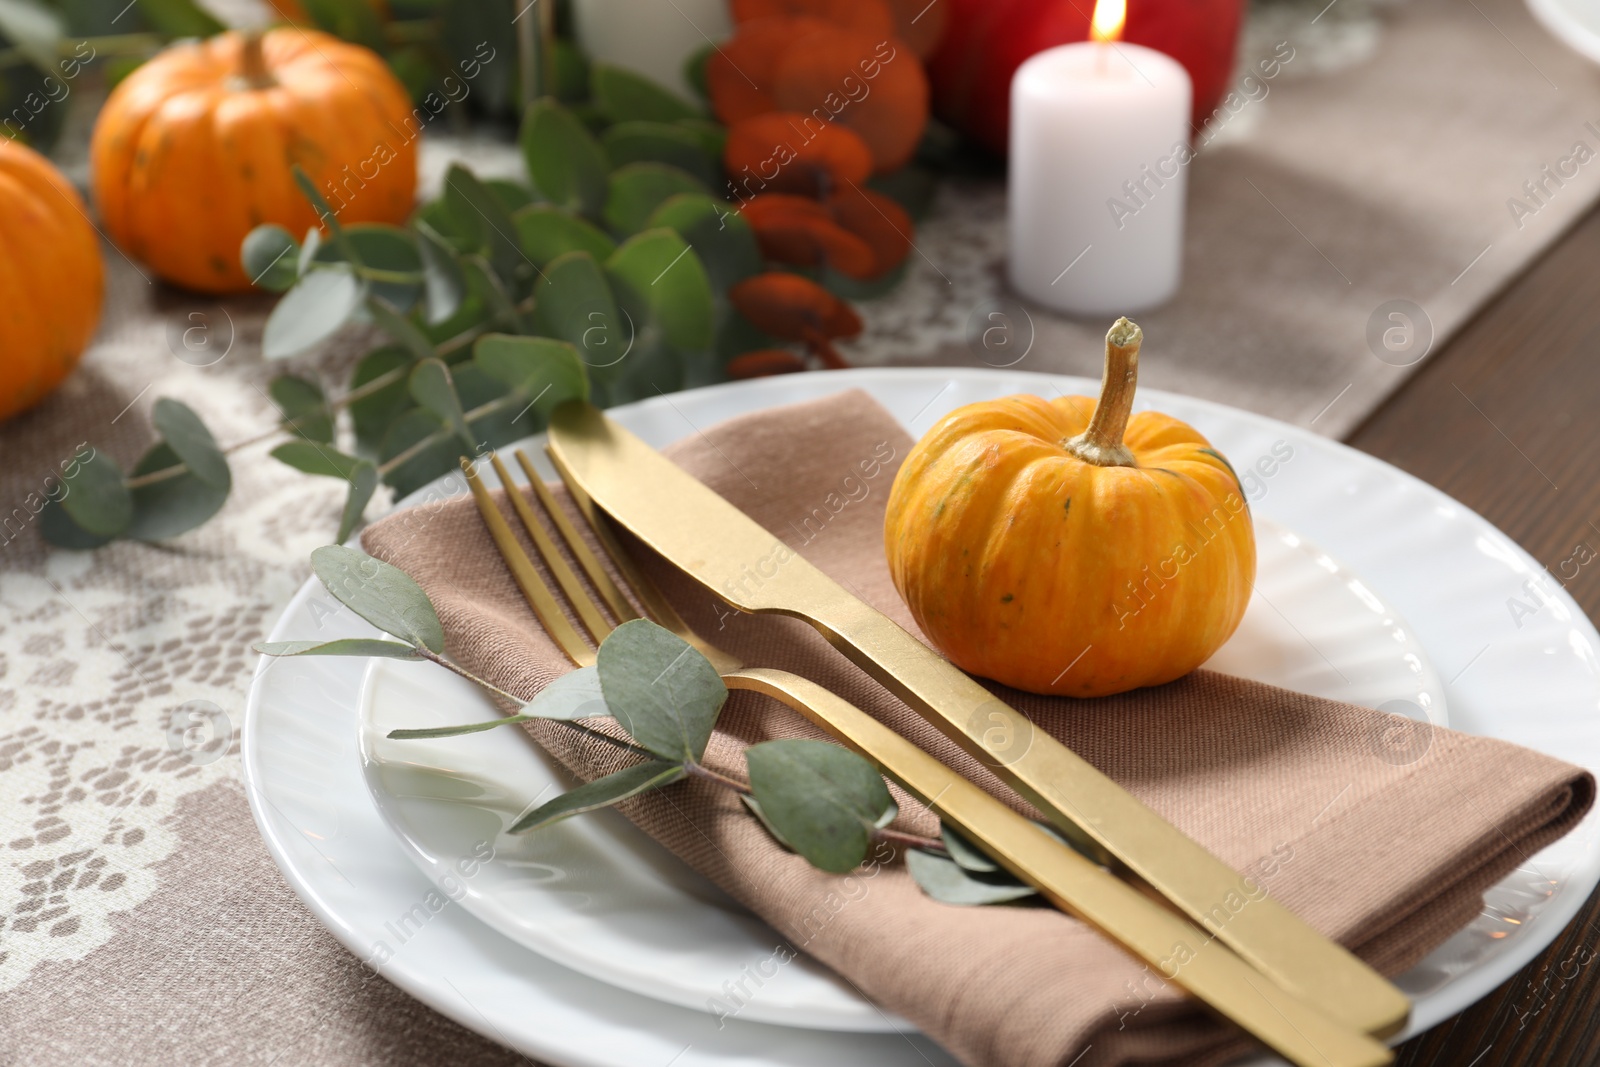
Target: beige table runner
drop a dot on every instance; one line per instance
(143, 917)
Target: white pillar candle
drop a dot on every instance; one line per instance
(1099, 152)
(651, 37)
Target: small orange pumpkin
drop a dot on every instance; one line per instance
(1062, 547)
(193, 150)
(50, 273)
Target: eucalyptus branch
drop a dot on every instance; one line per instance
(699, 770)
(441, 435)
(900, 837)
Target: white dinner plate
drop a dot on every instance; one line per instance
(601, 897)
(1530, 677)
(1574, 22)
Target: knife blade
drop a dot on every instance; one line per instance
(753, 570)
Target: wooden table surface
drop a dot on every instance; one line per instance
(1504, 419)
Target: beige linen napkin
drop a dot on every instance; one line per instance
(1389, 855)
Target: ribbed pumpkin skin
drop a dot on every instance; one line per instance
(187, 158)
(50, 273)
(1027, 565)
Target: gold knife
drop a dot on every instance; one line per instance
(751, 569)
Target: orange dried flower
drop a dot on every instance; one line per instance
(782, 152)
(878, 220)
(797, 309)
(802, 232)
(739, 71)
(875, 86)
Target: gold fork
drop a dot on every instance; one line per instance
(1174, 947)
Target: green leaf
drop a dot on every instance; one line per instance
(179, 18)
(182, 429)
(565, 163)
(350, 20)
(304, 407)
(486, 284)
(661, 274)
(661, 142)
(311, 312)
(374, 413)
(269, 255)
(623, 95)
(432, 388)
(548, 372)
(824, 800)
(313, 458)
(513, 196)
(636, 190)
(325, 213)
(441, 273)
(96, 499)
(57, 528)
(660, 688)
(574, 303)
(964, 852)
(400, 328)
(433, 460)
(350, 646)
(719, 235)
(35, 30)
(546, 232)
(502, 423)
(390, 262)
(694, 70)
(571, 70)
(949, 883)
(573, 696)
(479, 212)
(172, 506)
(601, 793)
(308, 251)
(363, 483)
(381, 594)
(711, 136)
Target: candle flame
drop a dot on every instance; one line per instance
(1108, 20)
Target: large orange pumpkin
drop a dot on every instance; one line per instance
(50, 273)
(193, 150)
(1062, 547)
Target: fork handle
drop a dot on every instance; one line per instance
(1174, 947)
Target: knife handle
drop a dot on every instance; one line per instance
(1174, 948)
(1084, 803)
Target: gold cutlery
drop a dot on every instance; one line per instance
(1176, 948)
(752, 570)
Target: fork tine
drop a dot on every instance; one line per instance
(619, 605)
(538, 594)
(577, 596)
(655, 605)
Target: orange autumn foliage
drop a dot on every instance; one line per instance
(802, 233)
(194, 149)
(782, 152)
(793, 308)
(878, 220)
(865, 16)
(51, 274)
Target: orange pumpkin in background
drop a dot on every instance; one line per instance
(1062, 547)
(193, 150)
(50, 273)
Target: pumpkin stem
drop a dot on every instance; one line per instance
(1101, 444)
(253, 72)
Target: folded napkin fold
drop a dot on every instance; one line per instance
(1388, 857)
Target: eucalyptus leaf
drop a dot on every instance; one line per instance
(601, 793)
(638, 141)
(432, 388)
(57, 528)
(637, 189)
(548, 372)
(183, 431)
(710, 135)
(484, 282)
(623, 95)
(363, 483)
(566, 165)
(948, 882)
(662, 690)
(719, 235)
(308, 250)
(546, 231)
(96, 499)
(269, 256)
(349, 646)
(171, 506)
(179, 18)
(573, 696)
(325, 213)
(380, 593)
(437, 455)
(375, 412)
(400, 328)
(348, 20)
(34, 29)
(304, 406)
(441, 273)
(513, 196)
(824, 800)
(390, 262)
(313, 457)
(575, 303)
(964, 852)
(479, 211)
(311, 312)
(661, 272)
